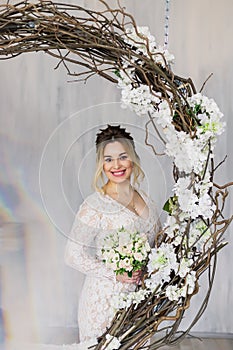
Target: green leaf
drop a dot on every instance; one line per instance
(117, 73)
(170, 204)
(166, 207)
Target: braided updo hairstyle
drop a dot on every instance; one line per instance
(111, 134)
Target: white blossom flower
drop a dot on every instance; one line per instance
(154, 281)
(189, 154)
(145, 43)
(187, 200)
(177, 241)
(191, 202)
(163, 115)
(121, 301)
(171, 226)
(125, 77)
(140, 42)
(209, 116)
(199, 235)
(125, 299)
(138, 99)
(139, 296)
(173, 293)
(188, 234)
(164, 260)
(112, 343)
(190, 282)
(184, 267)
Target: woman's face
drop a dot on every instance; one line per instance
(117, 164)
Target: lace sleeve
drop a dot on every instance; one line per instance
(80, 252)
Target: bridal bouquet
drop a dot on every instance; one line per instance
(125, 251)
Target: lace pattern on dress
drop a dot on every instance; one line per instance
(96, 218)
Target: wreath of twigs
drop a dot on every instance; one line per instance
(99, 42)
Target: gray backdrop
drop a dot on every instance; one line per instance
(48, 128)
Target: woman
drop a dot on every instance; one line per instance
(114, 204)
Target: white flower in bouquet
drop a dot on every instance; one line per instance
(125, 264)
(125, 251)
(124, 238)
(138, 256)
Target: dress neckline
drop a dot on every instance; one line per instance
(106, 196)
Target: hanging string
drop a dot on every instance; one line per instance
(166, 25)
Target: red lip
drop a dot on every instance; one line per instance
(118, 173)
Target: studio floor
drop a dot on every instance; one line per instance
(203, 344)
(189, 343)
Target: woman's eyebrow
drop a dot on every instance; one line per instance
(121, 154)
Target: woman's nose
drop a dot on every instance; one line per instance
(116, 163)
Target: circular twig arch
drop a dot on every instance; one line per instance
(110, 44)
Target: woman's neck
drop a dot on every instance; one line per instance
(122, 189)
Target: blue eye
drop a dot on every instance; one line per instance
(123, 157)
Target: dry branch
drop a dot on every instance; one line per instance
(94, 42)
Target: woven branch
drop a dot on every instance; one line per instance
(94, 41)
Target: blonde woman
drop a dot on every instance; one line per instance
(116, 202)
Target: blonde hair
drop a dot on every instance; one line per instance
(138, 173)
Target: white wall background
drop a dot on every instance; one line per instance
(47, 129)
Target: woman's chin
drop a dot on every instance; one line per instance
(118, 179)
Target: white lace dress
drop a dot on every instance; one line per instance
(96, 218)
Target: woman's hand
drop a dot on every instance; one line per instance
(124, 278)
